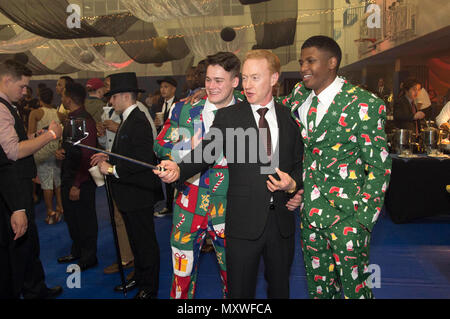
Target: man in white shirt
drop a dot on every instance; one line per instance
(443, 119)
(167, 87)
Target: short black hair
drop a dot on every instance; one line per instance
(410, 82)
(46, 95)
(227, 60)
(67, 79)
(326, 44)
(76, 92)
(15, 69)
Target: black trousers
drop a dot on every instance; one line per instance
(81, 219)
(141, 234)
(243, 258)
(24, 274)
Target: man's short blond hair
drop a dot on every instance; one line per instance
(272, 59)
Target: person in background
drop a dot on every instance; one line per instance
(60, 85)
(94, 103)
(48, 170)
(406, 113)
(167, 87)
(443, 119)
(77, 187)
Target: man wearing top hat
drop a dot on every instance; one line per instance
(135, 188)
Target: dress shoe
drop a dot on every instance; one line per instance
(143, 295)
(67, 259)
(114, 268)
(130, 285)
(85, 266)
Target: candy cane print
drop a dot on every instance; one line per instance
(183, 218)
(336, 220)
(309, 247)
(346, 258)
(219, 181)
(332, 163)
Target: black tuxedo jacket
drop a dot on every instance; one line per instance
(248, 198)
(403, 115)
(10, 190)
(137, 187)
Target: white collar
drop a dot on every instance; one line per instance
(209, 107)
(269, 105)
(326, 97)
(170, 101)
(127, 112)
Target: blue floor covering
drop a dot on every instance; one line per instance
(414, 260)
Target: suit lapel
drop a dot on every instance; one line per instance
(246, 115)
(336, 113)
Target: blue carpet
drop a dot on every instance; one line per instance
(414, 260)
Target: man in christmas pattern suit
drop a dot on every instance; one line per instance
(346, 172)
(199, 207)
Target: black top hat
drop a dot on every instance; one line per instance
(169, 80)
(123, 82)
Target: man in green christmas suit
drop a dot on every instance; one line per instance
(199, 207)
(346, 172)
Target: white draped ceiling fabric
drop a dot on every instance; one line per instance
(196, 22)
(158, 10)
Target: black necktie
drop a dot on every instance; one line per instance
(263, 124)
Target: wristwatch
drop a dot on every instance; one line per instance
(111, 170)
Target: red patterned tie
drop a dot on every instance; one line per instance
(263, 124)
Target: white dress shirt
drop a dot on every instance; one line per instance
(208, 113)
(125, 115)
(444, 115)
(325, 97)
(271, 118)
(169, 103)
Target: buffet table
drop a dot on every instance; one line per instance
(418, 188)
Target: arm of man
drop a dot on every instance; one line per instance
(9, 140)
(374, 154)
(192, 164)
(168, 137)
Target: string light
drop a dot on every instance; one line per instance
(237, 28)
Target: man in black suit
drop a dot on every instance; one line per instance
(258, 222)
(12, 213)
(28, 277)
(135, 188)
(406, 114)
